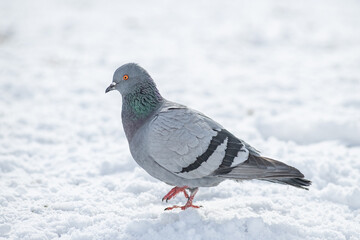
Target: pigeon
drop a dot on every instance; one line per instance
(183, 147)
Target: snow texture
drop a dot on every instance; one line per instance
(283, 75)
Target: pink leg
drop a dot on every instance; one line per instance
(188, 204)
(173, 192)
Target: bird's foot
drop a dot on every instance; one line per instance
(173, 192)
(182, 207)
(188, 203)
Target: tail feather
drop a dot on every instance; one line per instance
(295, 182)
(262, 168)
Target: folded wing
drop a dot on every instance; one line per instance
(191, 145)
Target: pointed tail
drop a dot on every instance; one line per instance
(266, 169)
(295, 182)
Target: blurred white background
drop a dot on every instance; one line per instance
(282, 75)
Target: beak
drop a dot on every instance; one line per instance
(111, 87)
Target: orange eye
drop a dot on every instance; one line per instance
(125, 77)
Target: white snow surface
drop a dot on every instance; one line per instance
(282, 75)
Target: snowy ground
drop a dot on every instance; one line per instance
(283, 75)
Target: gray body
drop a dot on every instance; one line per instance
(139, 150)
(183, 147)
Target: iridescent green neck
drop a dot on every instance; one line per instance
(138, 106)
(142, 102)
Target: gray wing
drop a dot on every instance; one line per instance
(191, 145)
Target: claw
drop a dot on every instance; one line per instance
(182, 207)
(190, 198)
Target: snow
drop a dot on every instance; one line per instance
(282, 75)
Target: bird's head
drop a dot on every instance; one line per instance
(128, 78)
